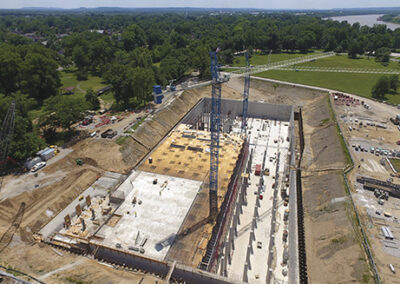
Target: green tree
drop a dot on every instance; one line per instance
(80, 58)
(354, 49)
(62, 112)
(394, 82)
(142, 83)
(40, 76)
(92, 99)
(121, 81)
(201, 61)
(381, 87)
(382, 55)
(133, 37)
(10, 70)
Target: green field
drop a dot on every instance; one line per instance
(108, 97)
(258, 59)
(68, 79)
(355, 83)
(342, 61)
(396, 164)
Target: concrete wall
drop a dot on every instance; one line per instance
(234, 108)
(293, 262)
(161, 268)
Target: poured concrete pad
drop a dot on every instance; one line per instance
(157, 219)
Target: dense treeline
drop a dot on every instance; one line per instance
(132, 52)
(394, 18)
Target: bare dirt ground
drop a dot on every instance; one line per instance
(48, 266)
(333, 251)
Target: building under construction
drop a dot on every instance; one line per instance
(158, 218)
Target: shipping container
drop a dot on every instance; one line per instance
(48, 154)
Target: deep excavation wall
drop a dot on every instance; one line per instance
(294, 276)
(152, 131)
(234, 108)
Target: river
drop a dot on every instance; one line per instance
(365, 20)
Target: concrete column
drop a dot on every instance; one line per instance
(228, 252)
(252, 235)
(242, 197)
(244, 194)
(239, 208)
(254, 225)
(255, 214)
(245, 277)
(222, 266)
(235, 223)
(248, 257)
(231, 237)
(226, 265)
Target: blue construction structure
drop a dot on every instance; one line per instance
(215, 123)
(157, 93)
(158, 99)
(246, 94)
(157, 89)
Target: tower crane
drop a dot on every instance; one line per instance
(7, 131)
(6, 135)
(246, 93)
(215, 123)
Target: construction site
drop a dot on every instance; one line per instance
(162, 212)
(211, 188)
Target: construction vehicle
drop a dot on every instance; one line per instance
(396, 120)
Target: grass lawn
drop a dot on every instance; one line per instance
(354, 83)
(121, 140)
(359, 84)
(68, 79)
(108, 97)
(396, 164)
(344, 62)
(258, 59)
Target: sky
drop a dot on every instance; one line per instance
(267, 4)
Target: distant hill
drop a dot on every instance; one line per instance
(122, 10)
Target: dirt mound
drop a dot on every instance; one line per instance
(101, 153)
(89, 161)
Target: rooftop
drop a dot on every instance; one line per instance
(151, 213)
